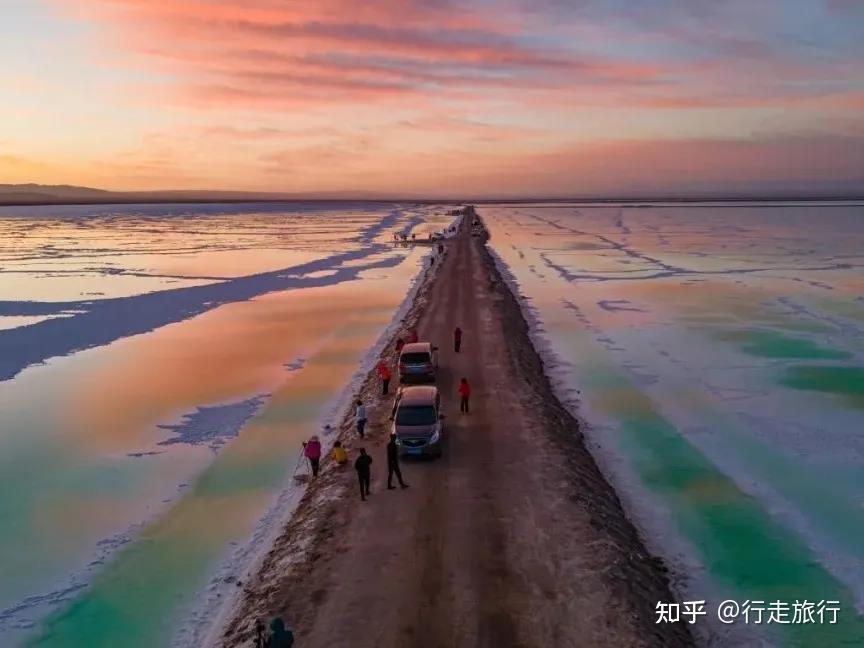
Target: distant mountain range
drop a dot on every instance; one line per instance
(26, 193)
(38, 194)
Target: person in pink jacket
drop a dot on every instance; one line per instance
(312, 451)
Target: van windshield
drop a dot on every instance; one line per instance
(416, 415)
(415, 358)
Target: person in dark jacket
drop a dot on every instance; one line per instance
(364, 472)
(457, 339)
(393, 464)
(280, 636)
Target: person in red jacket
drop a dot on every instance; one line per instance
(457, 339)
(465, 394)
(384, 374)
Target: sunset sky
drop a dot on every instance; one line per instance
(433, 97)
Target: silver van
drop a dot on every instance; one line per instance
(417, 421)
(418, 362)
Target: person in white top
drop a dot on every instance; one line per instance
(360, 416)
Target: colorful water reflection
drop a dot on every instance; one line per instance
(131, 471)
(718, 352)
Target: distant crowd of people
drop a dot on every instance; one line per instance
(403, 237)
(363, 462)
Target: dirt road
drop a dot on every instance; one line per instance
(513, 538)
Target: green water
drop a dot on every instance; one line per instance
(739, 544)
(727, 403)
(744, 549)
(844, 381)
(138, 599)
(774, 344)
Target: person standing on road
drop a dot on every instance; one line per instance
(464, 394)
(360, 416)
(312, 451)
(457, 339)
(384, 374)
(364, 472)
(393, 464)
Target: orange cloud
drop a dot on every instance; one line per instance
(408, 96)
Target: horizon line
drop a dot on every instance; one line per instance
(45, 196)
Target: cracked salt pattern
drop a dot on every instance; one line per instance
(716, 355)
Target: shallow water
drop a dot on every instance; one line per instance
(147, 425)
(717, 356)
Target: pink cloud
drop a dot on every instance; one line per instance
(395, 92)
(270, 55)
(266, 52)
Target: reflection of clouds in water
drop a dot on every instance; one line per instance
(110, 319)
(156, 241)
(224, 344)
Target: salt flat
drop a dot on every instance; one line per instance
(160, 365)
(716, 356)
